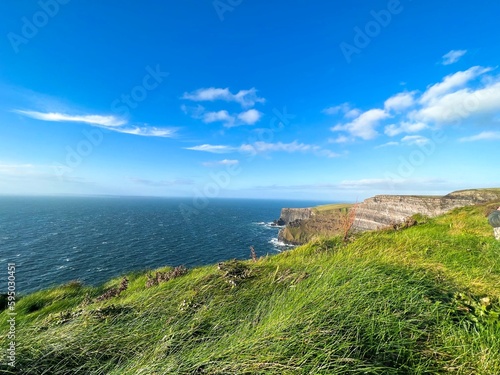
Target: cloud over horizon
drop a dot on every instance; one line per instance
(261, 147)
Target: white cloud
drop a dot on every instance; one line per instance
(16, 168)
(462, 104)
(364, 125)
(451, 82)
(342, 108)
(404, 127)
(345, 109)
(246, 98)
(150, 131)
(161, 183)
(469, 95)
(388, 144)
(250, 117)
(453, 56)
(340, 139)
(262, 147)
(390, 183)
(483, 136)
(27, 170)
(353, 113)
(400, 102)
(327, 153)
(220, 162)
(214, 149)
(107, 121)
(219, 116)
(414, 140)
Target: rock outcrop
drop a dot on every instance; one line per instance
(294, 215)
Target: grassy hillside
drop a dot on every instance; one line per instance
(423, 300)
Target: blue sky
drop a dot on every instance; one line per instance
(319, 100)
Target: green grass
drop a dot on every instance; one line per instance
(329, 208)
(423, 300)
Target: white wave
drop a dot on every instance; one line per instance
(280, 244)
(269, 225)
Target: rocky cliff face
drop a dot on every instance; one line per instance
(294, 215)
(384, 210)
(374, 213)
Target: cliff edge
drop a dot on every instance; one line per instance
(374, 213)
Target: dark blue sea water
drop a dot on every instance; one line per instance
(53, 240)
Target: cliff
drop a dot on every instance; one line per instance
(384, 210)
(303, 224)
(290, 215)
(374, 213)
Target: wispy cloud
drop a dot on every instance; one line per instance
(214, 149)
(292, 147)
(249, 117)
(340, 139)
(394, 184)
(414, 140)
(32, 173)
(16, 168)
(220, 163)
(388, 144)
(483, 136)
(148, 131)
(344, 109)
(265, 148)
(451, 83)
(453, 56)
(107, 121)
(161, 183)
(405, 127)
(112, 123)
(334, 110)
(246, 98)
(371, 184)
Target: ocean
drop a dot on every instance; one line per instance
(54, 240)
